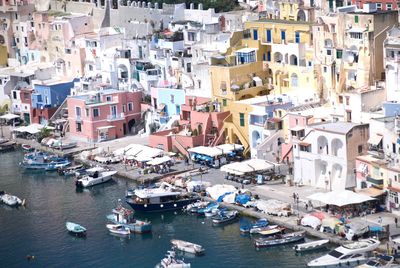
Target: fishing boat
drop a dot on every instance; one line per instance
(279, 239)
(63, 145)
(75, 229)
(311, 245)
(245, 227)
(11, 200)
(214, 212)
(165, 197)
(94, 176)
(118, 229)
(208, 208)
(70, 171)
(124, 217)
(170, 261)
(379, 261)
(349, 255)
(27, 148)
(225, 217)
(187, 247)
(193, 208)
(268, 230)
(43, 161)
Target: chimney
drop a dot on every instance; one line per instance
(191, 5)
(156, 5)
(200, 7)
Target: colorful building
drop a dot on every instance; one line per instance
(103, 115)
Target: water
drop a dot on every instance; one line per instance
(39, 229)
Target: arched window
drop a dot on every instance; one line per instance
(294, 80)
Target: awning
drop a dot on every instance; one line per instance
(340, 198)
(31, 129)
(159, 160)
(371, 191)
(303, 143)
(297, 128)
(209, 151)
(9, 116)
(248, 166)
(105, 128)
(356, 30)
(375, 139)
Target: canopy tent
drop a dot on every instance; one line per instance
(31, 129)
(209, 151)
(248, 166)
(139, 152)
(227, 148)
(340, 198)
(159, 160)
(9, 116)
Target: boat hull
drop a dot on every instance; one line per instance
(172, 205)
(137, 228)
(83, 183)
(344, 263)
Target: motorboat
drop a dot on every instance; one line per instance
(245, 227)
(70, 171)
(225, 217)
(63, 145)
(43, 161)
(268, 230)
(194, 207)
(214, 212)
(11, 200)
(118, 229)
(170, 261)
(7, 146)
(27, 148)
(350, 254)
(279, 239)
(94, 176)
(187, 247)
(75, 229)
(308, 246)
(165, 197)
(208, 208)
(380, 260)
(124, 217)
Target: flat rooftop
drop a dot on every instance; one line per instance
(335, 127)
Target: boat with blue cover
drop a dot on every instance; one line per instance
(43, 161)
(245, 227)
(225, 217)
(124, 217)
(75, 229)
(208, 208)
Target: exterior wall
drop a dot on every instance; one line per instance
(51, 95)
(385, 4)
(172, 98)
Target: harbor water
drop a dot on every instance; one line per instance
(51, 200)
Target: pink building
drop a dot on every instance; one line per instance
(104, 115)
(199, 125)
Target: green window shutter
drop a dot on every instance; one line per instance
(241, 117)
(356, 19)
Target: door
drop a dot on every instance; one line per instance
(255, 34)
(124, 127)
(178, 109)
(114, 111)
(269, 36)
(283, 35)
(297, 37)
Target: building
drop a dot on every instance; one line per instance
(392, 64)
(325, 155)
(103, 115)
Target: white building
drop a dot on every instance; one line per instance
(392, 64)
(325, 157)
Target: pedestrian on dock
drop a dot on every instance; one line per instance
(306, 206)
(395, 221)
(294, 197)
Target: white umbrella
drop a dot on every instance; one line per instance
(340, 198)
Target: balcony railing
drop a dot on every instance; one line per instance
(113, 117)
(378, 182)
(376, 152)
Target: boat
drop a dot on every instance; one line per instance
(63, 145)
(194, 207)
(94, 176)
(170, 261)
(214, 212)
(124, 217)
(75, 229)
(7, 146)
(311, 245)
(43, 161)
(279, 239)
(187, 247)
(267, 230)
(11, 200)
(350, 254)
(245, 227)
(165, 197)
(225, 217)
(380, 261)
(208, 208)
(27, 148)
(70, 171)
(118, 229)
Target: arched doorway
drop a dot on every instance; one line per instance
(131, 125)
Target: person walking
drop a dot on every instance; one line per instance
(395, 221)
(294, 197)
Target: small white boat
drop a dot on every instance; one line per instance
(118, 229)
(212, 213)
(170, 261)
(75, 228)
(94, 177)
(11, 200)
(380, 260)
(187, 247)
(311, 245)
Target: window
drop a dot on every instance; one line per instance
(255, 34)
(268, 55)
(124, 108)
(90, 67)
(356, 35)
(241, 119)
(130, 106)
(325, 69)
(172, 98)
(360, 149)
(283, 35)
(108, 98)
(14, 95)
(389, 7)
(269, 36)
(78, 127)
(378, 6)
(297, 37)
(224, 102)
(356, 19)
(78, 111)
(96, 112)
(340, 99)
(339, 53)
(246, 57)
(294, 80)
(328, 52)
(347, 100)
(394, 148)
(87, 112)
(22, 29)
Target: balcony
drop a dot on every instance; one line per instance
(376, 152)
(116, 117)
(376, 182)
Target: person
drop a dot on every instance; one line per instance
(395, 221)
(306, 206)
(294, 197)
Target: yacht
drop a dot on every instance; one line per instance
(347, 255)
(94, 176)
(165, 197)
